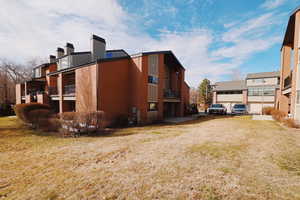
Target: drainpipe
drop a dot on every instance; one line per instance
(97, 85)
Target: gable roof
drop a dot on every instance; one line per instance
(167, 52)
(230, 85)
(263, 75)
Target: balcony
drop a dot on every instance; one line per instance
(69, 90)
(171, 94)
(53, 91)
(35, 92)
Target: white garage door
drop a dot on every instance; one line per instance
(255, 108)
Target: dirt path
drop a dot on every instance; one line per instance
(226, 158)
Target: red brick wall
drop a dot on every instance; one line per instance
(138, 74)
(114, 84)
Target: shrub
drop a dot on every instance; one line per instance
(6, 109)
(67, 115)
(291, 123)
(75, 123)
(38, 118)
(22, 110)
(121, 121)
(268, 110)
(278, 115)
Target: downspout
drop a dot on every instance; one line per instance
(97, 86)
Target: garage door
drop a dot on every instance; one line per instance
(255, 108)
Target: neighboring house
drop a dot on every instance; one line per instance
(149, 86)
(289, 100)
(258, 90)
(229, 93)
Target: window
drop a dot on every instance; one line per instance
(109, 55)
(261, 91)
(217, 106)
(238, 106)
(230, 92)
(37, 72)
(152, 107)
(258, 80)
(152, 79)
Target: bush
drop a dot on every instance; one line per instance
(75, 123)
(278, 115)
(22, 110)
(121, 121)
(67, 115)
(291, 123)
(268, 110)
(38, 118)
(6, 109)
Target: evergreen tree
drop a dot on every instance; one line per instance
(205, 92)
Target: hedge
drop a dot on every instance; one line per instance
(23, 110)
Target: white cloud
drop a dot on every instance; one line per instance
(37, 28)
(244, 39)
(271, 4)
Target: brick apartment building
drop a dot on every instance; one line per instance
(149, 85)
(258, 90)
(289, 100)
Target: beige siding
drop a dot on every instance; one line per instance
(153, 71)
(267, 81)
(261, 98)
(152, 93)
(153, 65)
(256, 108)
(86, 88)
(230, 97)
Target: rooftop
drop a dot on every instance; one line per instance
(263, 75)
(230, 85)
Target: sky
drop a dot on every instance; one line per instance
(215, 39)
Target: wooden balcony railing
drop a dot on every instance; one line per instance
(69, 89)
(53, 91)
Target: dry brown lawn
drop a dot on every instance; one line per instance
(211, 158)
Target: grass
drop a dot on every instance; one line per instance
(218, 150)
(288, 157)
(209, 158)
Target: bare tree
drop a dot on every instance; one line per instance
(12, 73)
(194, 96)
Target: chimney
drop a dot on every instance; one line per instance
(52, 59)
(60, 52)
(98, 46)
(69, 48)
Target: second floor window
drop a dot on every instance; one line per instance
(152, 79)
(258, 80)
(261, 91)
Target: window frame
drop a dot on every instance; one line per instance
(152, 109)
